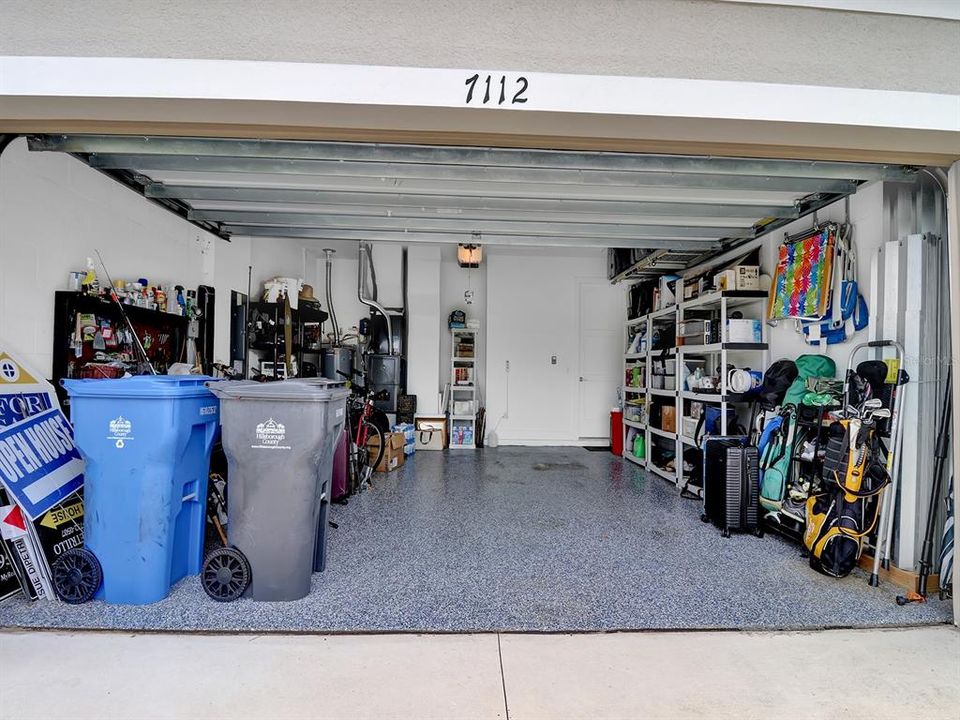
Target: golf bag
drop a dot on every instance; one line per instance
(870, 381)
(776, 454)
(840, 517)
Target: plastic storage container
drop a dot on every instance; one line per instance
(409, 437)
(279, 439)
(146, 441)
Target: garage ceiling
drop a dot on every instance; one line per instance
(674, 210)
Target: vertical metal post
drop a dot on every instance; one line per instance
(953, 249)
(647, 434)
(723, 365)
(246, 324)
(920, 310)
(625, 429)
(677, 390)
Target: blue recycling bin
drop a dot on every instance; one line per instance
(146, 441)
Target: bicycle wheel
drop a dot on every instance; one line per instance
(365, 458)
(374, 433)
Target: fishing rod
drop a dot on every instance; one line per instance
(123, 314)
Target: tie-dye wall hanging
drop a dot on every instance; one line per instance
(804, 275)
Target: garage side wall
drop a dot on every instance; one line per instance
(866, 214)
(55, 212)
(230, 269)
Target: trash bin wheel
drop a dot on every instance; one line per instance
(226, 574)
(77, 576)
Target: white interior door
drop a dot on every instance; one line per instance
(600, 328)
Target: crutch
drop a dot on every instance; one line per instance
(892, 505)
(889, 498)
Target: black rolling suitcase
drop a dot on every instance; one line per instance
(731, 485)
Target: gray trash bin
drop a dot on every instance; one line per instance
(279, 439)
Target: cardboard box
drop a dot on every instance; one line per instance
(690, 426)
(431, 432)
(393, 456)
(740, 277)
(725, 280)
(668, 418)
(747, 277)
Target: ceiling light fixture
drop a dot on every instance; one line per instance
(469, 255)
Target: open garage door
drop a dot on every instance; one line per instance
(675, 210)
(671, 213)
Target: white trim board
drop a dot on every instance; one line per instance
(148, 78)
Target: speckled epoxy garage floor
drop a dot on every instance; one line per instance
(525, 539)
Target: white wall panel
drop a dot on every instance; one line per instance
(55, 212)
(866, 215)
(230, 270)
(532, 316)
(424, 336)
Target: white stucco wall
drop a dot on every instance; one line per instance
(55, 212)
(654, 38)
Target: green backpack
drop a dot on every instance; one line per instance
(808, 366)
(777, 456)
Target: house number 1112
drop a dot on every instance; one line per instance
(491, 89)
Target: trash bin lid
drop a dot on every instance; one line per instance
(294, 390)
(142, 386)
